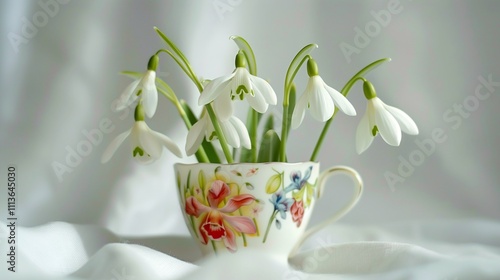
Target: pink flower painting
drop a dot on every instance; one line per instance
(218, 220)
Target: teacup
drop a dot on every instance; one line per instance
(259, 206)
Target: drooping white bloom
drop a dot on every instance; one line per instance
(147, 144)
(387, 120)
(144, 87)
(238, 85)
(234, 131)
(321, 100)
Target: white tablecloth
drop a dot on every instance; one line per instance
(461, 249)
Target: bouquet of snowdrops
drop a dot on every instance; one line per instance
(217, 122)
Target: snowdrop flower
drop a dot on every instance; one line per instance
(320, 99)
(233, 129)
(144, 87)
(238, 85)
(147, 144)
(379, 117)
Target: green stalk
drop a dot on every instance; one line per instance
(252, 116)
(186, 67)
(286, 102)
(284, 131)
(292, 70)
(253, 134)
(220, 135)
(345, 91)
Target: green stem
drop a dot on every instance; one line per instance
(186, 67)
(284, 132)
(286, 100)
(220, 135)
(184, 64)
(253, 134)
(345, 91)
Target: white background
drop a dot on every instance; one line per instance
(63, 77)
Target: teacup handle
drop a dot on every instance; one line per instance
(358, 185)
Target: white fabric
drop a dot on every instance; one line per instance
(462, 249)
(121, 220)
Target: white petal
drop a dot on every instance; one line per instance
(341, 101)
(149, 93)
(195, 136)
(140, 128)
(145, 159)
(210, 130)
(242, 131)
(387, 125)
(299, 111)
(364, 136)
(113, 146)
(168, 143)
(223, 107)
(230, 134)
(128, 96)
(265, 89)
(405, 122)
(213, 89)
(321, 105)
(257, 102)
(148, 142)
(241, 77)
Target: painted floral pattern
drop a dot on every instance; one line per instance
(294, 198)
(297, 211)
(221, 208)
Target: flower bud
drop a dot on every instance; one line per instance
(312, 67)
(153, 62)
(369, 90)
(240, 60)
(139, 113)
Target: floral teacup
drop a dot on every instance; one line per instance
(267, 206)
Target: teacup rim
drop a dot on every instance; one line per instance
(245, 163)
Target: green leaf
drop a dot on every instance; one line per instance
(171, 44)
(132, 74)
(249, 55)
(246, 155)
(207, 146)
(292, 98)
(269, 147)
(269, 125)
(165, 89)
(180, 58)
(273, 183)
(253, 119)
